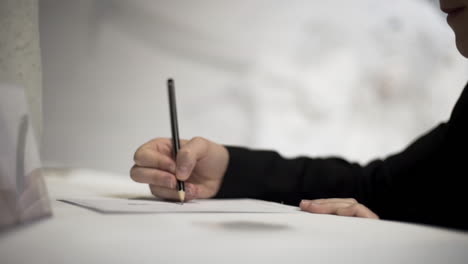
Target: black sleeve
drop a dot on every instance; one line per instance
(426, 183)
(379, 185)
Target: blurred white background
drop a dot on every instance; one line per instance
(359, 79)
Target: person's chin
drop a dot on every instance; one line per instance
(458, 22)
(462, 45)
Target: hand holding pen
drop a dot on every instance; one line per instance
(200, 163)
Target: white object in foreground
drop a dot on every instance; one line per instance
(23, 194)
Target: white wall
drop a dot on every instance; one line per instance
(358, 79)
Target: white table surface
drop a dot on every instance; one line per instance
(78, 235)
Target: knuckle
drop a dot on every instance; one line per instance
(352, 200)
(139, 155)
(358, 207)
(135, 156)
(198, 139)
(185, 152)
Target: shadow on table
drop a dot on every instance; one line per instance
(244, 225)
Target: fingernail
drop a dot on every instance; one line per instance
(304, 203)
(182, 169)
(316, 201)
(181, 172)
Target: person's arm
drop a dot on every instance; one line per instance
(381, 185)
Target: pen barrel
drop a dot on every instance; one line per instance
(174, 121)
(180, 186)
(175, 131)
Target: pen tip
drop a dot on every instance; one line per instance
(182, 196)
(170, 81)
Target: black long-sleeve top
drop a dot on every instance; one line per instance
(425, 183)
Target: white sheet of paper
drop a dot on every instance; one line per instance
(118, 205)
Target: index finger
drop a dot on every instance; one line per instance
(146, 157)
(323, 208)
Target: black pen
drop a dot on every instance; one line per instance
(175, 133)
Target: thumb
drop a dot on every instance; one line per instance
(188, 156)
